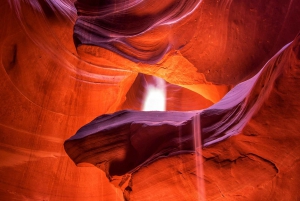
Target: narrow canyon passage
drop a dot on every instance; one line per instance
(74, 75)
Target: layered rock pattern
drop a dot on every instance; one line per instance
(226, 41)
(112, 24)
(123, 142)
(51, 86)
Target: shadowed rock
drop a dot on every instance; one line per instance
(48, 92)
(111, 24)
(122, 142)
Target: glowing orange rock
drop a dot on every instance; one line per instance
(48, 91)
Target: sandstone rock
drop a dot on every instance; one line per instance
(226, 41)
(49, 89)
(124, 142)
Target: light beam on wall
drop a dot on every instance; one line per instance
(155, 96)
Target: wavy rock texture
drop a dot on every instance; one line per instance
(47, 93)
(262, 163)
(112, 25)
(52, 84)
(227, 41)
(122, 143)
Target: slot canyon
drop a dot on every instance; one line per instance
(77, 122)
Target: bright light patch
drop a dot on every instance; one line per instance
(155, 96)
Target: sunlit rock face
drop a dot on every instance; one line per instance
(176, 97)
(227, 41)
(58, 74)
(136, 139)
(46, 94)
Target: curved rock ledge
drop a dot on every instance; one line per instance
(49, 89)
(112, 24)
(224, 41)
(121, 142)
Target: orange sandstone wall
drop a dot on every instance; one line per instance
(48, 91)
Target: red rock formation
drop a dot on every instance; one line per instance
(48, 92)
(113, 25)
(126, 141)
(227, 41)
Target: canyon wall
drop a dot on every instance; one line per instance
(56, 79)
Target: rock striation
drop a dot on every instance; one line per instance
(54, 80)
(123, 142)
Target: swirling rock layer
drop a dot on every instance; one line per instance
(227, 41)
(125, 141)
(112, 25)
(261, 163)
(48, 91)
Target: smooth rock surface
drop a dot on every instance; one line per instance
(262, 163)
(123, 142)
(49, 89)
(226, 41)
